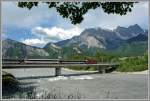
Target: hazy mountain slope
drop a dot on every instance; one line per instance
(140, 37)
(15, 49)
(127, 33)
(131, 49)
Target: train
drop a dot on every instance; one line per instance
(91, 61)
(88, 61)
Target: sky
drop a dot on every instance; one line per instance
(41, 25)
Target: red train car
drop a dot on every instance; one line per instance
(90, 61)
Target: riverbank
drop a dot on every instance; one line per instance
(114, 72)
(140, 72)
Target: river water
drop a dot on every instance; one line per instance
(41, 83)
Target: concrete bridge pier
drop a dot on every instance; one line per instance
(102, 70)
(57, 71)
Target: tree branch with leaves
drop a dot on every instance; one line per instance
(75, 10)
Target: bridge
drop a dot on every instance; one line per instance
(53, 63)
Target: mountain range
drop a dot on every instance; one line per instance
(120, 41)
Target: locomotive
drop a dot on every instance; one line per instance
(91, 61)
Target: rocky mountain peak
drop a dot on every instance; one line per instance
(129, 32)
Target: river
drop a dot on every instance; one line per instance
(81, 85)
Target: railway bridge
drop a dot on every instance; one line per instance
(53, 63)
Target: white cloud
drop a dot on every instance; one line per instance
(13, 15)
(52, 27)
(56, 33)
(53, 34)
(23, 17)
(3, 36)
(34, 42)
(97, 18)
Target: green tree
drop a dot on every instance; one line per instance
(75, 10)
(146, 56)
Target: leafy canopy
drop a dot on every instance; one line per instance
(75, 10)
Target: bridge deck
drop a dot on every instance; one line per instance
(52, 63)
(38, 65)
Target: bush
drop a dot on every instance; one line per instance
(9, 82)
(132, 64)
